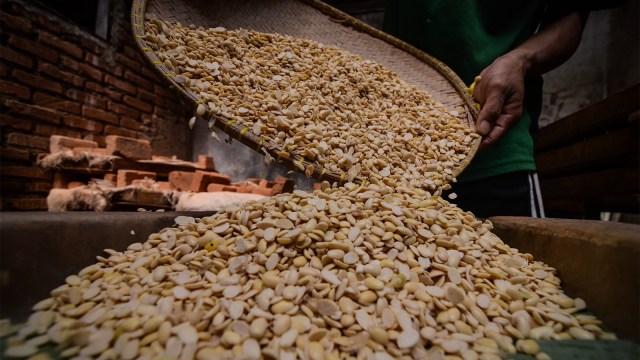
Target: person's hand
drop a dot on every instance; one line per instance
(500, 92)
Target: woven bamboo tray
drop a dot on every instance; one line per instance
(314, 20)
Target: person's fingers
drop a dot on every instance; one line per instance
(491, 110)
(502, 124)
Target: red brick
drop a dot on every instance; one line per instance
(75, 184)
(205, 162)
(16, 122)
(164, 186)
(29, 172)
(38, 187)
(32, 111)
(15, 57)
(82, 123)
(130, 148)
(88, 43)
(246, 187)
(29, 203)
(100, 63)
(130, 123)
(130, 62)
(126, 177)
(86, 98)
(111, 178)
(29, 141)
(4, 70)
(181, 180)
(90, 151)
(91, 72)
(44, 20)
(13, 89)
(220, 187)
(33, 48)
(57, 103)
(99, 114)
(94, 87)
(114, 94)
(123, 110)
(120, 84)
(60, 180)
(141, 82)
(14, 22)
(149, 97)
(69, 63)
(61, 143)
(202, 179)
(36, 81)
(54, 71)
(65, 46)
(164, 114)
(82, 68)
(8, 153)
(262, 191)
(138, 104)
(56, 130)
(97, 138)
(283, 185)
(116, 130)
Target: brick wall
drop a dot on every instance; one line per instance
(56, 78)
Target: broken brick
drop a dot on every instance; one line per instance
(111, 177)
(283, 185)
(130, 148)
(181, 180)
(262, 191)
(220, 187)
(126, 177)
(90, 151)
(58, 143)
(205, 162)
(202, 179)
(74, 184)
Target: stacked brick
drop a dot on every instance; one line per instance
(58, 79)
(201, 176)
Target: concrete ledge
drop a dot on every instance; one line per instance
(597, 261)
(38, 250)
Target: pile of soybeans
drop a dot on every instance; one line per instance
(382, 270)
(364, 272)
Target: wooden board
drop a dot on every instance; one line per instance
(618, 147)
(604, 114)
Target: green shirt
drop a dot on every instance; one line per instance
(468, 35)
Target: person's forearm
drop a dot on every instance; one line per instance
(557, 39)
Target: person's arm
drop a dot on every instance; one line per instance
(500, 89)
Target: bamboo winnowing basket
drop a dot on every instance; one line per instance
(314, 20)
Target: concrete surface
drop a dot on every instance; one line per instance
(597, 261)
(38, 250)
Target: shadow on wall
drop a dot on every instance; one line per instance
(238, 160)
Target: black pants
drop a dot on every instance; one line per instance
(512, 194)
